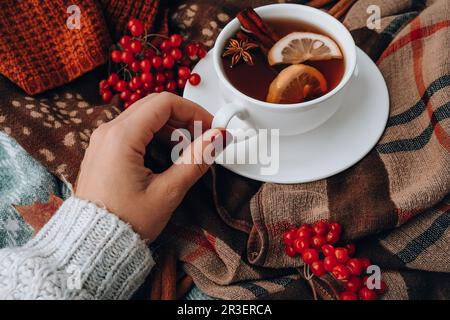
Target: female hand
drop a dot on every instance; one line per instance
(113, 173)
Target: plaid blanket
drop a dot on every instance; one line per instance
(395, 203)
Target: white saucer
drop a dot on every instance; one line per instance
(325, 151)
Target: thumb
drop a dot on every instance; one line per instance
(196, 159)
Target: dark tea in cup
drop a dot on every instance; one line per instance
(303, 64)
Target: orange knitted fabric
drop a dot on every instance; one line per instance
(39, 52)
(118, 12)
(37, 49)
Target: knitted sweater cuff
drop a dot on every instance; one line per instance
(98, 255)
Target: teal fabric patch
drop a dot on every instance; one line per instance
(196, 294)
(23, 181)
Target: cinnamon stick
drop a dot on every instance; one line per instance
(253, 23)
(169, 276)
(183, 286)
(241, 36)
(341, 8)
(318, 3)
(262, 25)
(155, 293)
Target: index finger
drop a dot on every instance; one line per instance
(145, 121)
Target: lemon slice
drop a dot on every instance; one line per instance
(297, 83)
(298, 47)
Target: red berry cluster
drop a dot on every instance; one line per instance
(316, 246)
(143, 68)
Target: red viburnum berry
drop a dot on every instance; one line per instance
(185, 61)
(125, 42)
(335, 227)
(107, 96)
(320, 227)
(332, 237)
(135, 83)
(290, 251)
(317, 268)
(329, 263)
(365, 263)
(184, 72)
(341, 272)
(367, 294)
(116, 56)
(355, 266)
(113, 79)
(289, 236)
(346, 295)
(125, 95)
(201, 52)
(301, 244)
(134, 66)
(145, 65)
(318, 241)
(353, 284)
(171, 86)
(328, 250)
(148, 87)
(310, 255)
(127, 57)
(165, 46)
(341, 255)
(364, 280)
(157, 62)
(134, 97)
(191, 50)
(169, 75)
(168, 62)
(121, 85)
(181, 83)
(135, 27)
(160, 78)
(146, 77)
(103, 85)
(195, 79)
(176, 54)
(135, 46)
(305, 232)
(159, 88)
(175, 40)
(131, 22)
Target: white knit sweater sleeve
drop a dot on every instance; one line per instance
(83, 252)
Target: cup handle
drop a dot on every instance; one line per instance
(223, 117)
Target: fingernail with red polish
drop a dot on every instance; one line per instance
(221, 139)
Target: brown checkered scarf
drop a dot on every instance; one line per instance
(394, 203)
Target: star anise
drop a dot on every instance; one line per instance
(239, 49)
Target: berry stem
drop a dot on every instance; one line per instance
(309, 278)
(148, 43)
(307, 272)
(128, 73)
(156, 35)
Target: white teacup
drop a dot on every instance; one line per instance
(290, 119)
